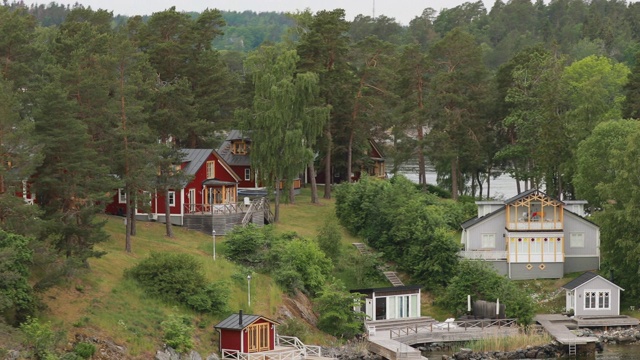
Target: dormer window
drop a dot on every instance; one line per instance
(239, 148)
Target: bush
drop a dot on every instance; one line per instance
(329, 238)
(179, 278)
(84, 350)
(248, 245)
(335, 306)
(301, 263)
(170, 276)
(294, 327)
(178, 333)
(212, 299)
(40, 339)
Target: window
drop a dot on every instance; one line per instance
(172, 198)
(239, 148)
(122, 196)
(247, 174)
(576, 240)
(597, 299)
(211, 169)
(488, 241)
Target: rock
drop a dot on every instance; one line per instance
(626, 339)
(445, 357)
(162, 355)
(213, 356)
(531, 354)
(12, 355)
(193, 355)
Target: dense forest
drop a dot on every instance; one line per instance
(91, 102)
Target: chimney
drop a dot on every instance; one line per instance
(240, 318)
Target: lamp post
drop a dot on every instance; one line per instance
(249, 289)
(213, 233)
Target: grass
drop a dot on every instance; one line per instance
(509, 343)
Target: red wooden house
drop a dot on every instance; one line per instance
(212, 188)
(246, 334)
(236, 151)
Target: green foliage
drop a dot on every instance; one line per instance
(294, 327)
(335, 306)
(178, 333)
(329, 238)
(179, 278)
(482, 282)
(17, 300)
(84, 350)
(40, 338)
(247, 245)
(299, 264)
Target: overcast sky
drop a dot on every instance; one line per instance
(402, 10)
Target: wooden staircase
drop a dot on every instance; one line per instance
(392, 276)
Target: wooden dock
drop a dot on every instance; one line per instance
(394, 343)
(556, 326)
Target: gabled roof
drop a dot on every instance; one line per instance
(195, 158)
(377, 149)
(233, 321)
(475, 220)
(225, 150)
(585, 278)
(527, 193)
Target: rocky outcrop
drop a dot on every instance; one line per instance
(169, 353)
(105, 349)
(613, 336)
(530, 352)
(352, 350)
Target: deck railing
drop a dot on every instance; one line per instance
(294, 354)
(483, 255)
(214, 209)
(307, 350)
(462, 325)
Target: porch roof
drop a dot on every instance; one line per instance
(216, 182)
(233, 321)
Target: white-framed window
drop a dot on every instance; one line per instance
(597, 299)
(488, 241)
(576, 240)
(247, 174)
(211, 169)
(122, 196)
(172, 198)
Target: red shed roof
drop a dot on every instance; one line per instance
(233, 321)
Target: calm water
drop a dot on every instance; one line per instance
(611, 352)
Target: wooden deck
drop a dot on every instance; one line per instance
(605, 321)
(556, 326)
(394, 343)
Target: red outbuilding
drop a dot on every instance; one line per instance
(246, 334)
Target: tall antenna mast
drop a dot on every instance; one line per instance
(374, 9)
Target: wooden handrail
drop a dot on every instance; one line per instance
(461, 325)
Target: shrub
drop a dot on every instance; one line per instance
(84, 350)
(329, 237)
(335, 306)
(248, 245)
(294, 327)
(170, 276)
(301, 263)
(178, 333)
(39, 338)
(212, 299)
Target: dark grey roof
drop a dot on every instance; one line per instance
(579, 280)
(225, 150)
(195, 158)
(469, 223)
(218, 182)
(391, 288)
(232, 322)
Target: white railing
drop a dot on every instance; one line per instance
(294, 354)
(484, 255)
(218, 209)
(454, 326)
(307, 350)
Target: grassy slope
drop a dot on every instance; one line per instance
(101, 302)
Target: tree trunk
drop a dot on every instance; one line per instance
(276, 211)
(422, 166)
(292, 194)
(327, 165)
(489, 183)
(454, 178)
(167, 214)
(479, 185)
(350, 157)
(133, 221)
(314, 186)
(127, 220)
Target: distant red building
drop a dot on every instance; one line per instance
(246, 333)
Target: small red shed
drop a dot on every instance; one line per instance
(247, 333)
